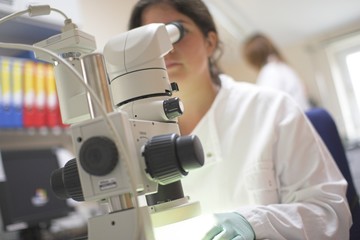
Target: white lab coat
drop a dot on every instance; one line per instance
(265, 161)
(279, 75)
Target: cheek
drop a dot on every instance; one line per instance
(195, 53)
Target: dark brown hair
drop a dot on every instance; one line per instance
(196, 10)
(257, 50)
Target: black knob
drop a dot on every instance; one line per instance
(169, 157)
(190, 152)
(98, 156)
(65, 182)
(174, 87)
(173, 108)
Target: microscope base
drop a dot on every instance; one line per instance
(121, 225)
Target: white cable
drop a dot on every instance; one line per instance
(60, 12)
(13, 15)
(33, 11)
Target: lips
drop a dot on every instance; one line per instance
(171, 64)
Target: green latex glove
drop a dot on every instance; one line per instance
(230, 226)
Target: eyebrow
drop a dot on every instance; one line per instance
(181, 21)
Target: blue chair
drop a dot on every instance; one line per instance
(326, 127)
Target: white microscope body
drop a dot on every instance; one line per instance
(129, 147)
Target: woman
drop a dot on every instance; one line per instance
(273, 71)
(266, 171)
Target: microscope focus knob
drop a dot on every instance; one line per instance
(65, 182)
(173, 108)
(169, 157)
(98, 156)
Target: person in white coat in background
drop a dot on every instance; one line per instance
(273, 71)
(267, 174)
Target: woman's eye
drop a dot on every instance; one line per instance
(186, 31)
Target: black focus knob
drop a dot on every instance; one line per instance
(169, 157)
(173, 108)
(190, 152)
(65, 182)
(98, 156)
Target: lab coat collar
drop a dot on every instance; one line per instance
(207, 129)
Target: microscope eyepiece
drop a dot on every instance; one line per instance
(176, 31)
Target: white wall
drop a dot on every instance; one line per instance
(105, 19)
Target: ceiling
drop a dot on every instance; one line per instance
(286, 21)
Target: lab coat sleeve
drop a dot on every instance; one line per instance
(311, 189)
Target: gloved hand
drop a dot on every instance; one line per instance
(230, 226)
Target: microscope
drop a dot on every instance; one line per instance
(129, 154)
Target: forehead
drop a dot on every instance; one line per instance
(163, 13)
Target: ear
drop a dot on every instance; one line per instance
(211, 42)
